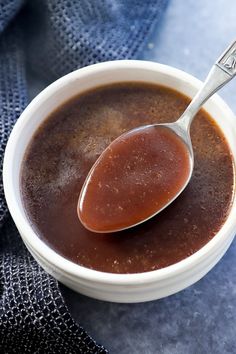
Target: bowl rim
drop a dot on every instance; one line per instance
(46, 252)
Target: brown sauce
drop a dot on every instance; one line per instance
(135, 177)
(71, 139)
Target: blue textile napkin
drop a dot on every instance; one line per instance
(53, 37)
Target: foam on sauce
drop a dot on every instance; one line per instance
(71, 139)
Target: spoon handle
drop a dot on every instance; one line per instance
(222, 72)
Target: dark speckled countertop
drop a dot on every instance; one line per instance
(202, 318)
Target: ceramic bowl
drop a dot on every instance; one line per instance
(107, 286)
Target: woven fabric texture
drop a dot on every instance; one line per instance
(8, 9)
(60, 36)
(84, 32)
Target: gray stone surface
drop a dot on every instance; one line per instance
(202, 318)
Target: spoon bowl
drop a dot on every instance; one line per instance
(136, 177)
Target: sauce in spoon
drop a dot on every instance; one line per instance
(134, 178)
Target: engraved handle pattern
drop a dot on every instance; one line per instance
(227, 61)
(222, 72)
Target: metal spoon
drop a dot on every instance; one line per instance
(222, 72)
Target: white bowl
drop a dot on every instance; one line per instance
(107, 286)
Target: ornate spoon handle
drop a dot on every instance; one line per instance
(222, 72)
(227, 61)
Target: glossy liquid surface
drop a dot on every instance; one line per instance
(71, 139)
(134, 178)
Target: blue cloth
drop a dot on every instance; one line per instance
(53, 37)
(72, 34)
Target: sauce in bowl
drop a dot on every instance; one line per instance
(67, 144)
